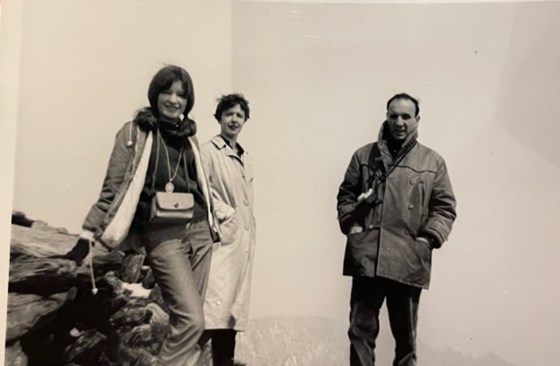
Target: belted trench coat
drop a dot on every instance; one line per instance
(416, 200)
(230, 177)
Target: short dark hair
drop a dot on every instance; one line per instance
(229, 101)
(163, 80)
(406, 97)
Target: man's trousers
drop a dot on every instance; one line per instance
(367, 297)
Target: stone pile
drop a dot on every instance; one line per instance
(54, 317)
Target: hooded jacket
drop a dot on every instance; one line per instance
(415, 200)
(111, 216)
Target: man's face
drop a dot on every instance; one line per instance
(232, 122)
(401, 118)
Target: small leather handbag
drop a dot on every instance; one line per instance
(172, 208)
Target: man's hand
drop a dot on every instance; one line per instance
(428, 242)
(355, 229)
(365, 195)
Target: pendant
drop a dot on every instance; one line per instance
(169, 187)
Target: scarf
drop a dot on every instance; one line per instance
(175, 133)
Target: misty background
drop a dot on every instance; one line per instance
(317, 76)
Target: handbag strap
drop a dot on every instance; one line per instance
(184, 151)
(154, 174)
(184, 158)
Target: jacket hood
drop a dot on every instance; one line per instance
(146, 119)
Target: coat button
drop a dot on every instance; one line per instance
(412, 181)
(406, 232)
(411, 206)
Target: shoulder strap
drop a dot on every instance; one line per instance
(374, 156)
(374, 168)
(399, 159)
(185, 165)
(377, 181)
(157, 137)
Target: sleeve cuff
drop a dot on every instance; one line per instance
(87, 235)
(434, 242)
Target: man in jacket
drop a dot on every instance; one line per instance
(395, 205)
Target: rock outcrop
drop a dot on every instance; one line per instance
(54, 318)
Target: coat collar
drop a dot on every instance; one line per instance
(384, 149)
(220, 144)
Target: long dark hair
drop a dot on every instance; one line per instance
(163, 80)
(147, 118)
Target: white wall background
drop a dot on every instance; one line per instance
(317, 77)
(488, 77)
(85, 68)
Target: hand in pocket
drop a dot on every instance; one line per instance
(424, 241)
(230, 229)
(355, 229)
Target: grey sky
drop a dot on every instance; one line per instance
(317, 77)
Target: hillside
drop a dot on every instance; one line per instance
(307, 341)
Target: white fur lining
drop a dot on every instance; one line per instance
(117, 230)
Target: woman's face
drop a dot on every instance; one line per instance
(172, 102)
(232, 122)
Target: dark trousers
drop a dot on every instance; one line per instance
(223, 346)
(367, 297)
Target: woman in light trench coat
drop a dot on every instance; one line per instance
(230, 176)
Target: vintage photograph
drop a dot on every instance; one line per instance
(269, 183)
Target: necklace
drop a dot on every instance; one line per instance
(169, 187)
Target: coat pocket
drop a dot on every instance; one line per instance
(361, 253)
(423, 261)
(230, 228)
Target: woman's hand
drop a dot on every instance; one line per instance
(80, 251)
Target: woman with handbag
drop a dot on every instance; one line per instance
(230, 174)
(155, 197)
